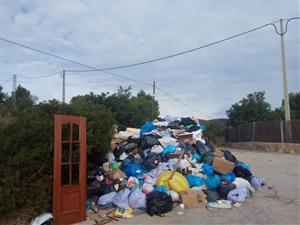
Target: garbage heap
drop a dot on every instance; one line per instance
(168, 162)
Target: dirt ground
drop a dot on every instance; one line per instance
(276, 203)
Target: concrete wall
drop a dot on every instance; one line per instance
(266, 146)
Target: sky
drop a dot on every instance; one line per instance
(111, 33)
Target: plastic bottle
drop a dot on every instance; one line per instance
(180, 210)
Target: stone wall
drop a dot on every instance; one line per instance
(266, 146)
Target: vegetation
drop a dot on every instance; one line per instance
(26, 140)
(256, 108)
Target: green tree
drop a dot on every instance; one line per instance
(294, 99)
(250, 109)
(142, 107)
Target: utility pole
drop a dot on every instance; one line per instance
(153, 106)
(14, 89)
(287, 114)
(63, 86)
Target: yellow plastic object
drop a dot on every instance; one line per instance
(178, 183)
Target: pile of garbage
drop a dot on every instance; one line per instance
(168, 162)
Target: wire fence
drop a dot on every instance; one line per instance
(265, 131)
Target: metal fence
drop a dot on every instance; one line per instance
(265, 131)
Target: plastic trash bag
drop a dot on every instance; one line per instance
(224, 188)
(178, 183)
(174, 195)
(161, 188)
(194, 180)
(147, 127)
(43, 219)
(196, 156)
(240, 171)
(229, 176)
(229, 156)
(121, 199)
(133, 183)
(238, 195)
(106, 199)
(150, 161)
(257, 182)
(134, 170)
(212, 195)
(212, 181)
(168, 149)
(158, 203)
(207, 169)
(157, 149)
(240, 182)
(137, 199)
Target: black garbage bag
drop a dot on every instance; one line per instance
(229, 156)
(242, 172)
(192, 128)
(186, 121)
(174, 125)
(224, 188)
(149, 141)
(151, 161)
(96, 188)
(208, 157)
(158, 203)
(212, 195)
(201, 148)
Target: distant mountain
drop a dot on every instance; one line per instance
(219, 120)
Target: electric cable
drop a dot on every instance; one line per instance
(152, 60)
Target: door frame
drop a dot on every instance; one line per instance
(58, 188)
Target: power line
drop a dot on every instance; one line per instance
(40, 77)
(152, 60)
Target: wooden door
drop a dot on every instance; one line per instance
(69, 179)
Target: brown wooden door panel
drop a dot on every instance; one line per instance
(69, 179)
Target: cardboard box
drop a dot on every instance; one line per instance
(218, 153)
(222, 165)
(193, 198)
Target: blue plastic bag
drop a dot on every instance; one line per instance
(245, 166)
(137, 199)
(207, 169)
(196, 156)
(169, 148)
(194, 180)
(147, 127)
(202, 127)
(213, 181)
(229, 177)
(161, 188)
(134, 170)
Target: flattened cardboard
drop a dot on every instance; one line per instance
(193, 198)
(218, 153)
(222, 165)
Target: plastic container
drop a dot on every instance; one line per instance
(180, 210)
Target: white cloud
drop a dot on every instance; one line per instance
(105, 33)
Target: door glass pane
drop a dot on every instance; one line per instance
(64, 174)
(75, 152)
(65, 132)
(75, 132)
(65, 149)
(75, 173)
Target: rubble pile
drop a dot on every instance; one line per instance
(167, 163)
